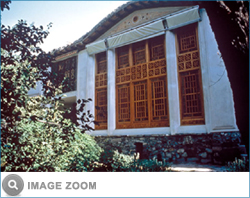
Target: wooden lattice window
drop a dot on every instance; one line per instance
(139, 53)
(140, 101)
(159, 98)
(101, 91)
(123, 57)
(187, 40)
(141, 85)
(157, 48)
(66, 69)
(190, 82)
(124, 103)
(101, 60)
(101, 103)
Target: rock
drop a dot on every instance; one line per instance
(205, 161)
(169, 155)
(209, 150)
(184, 154)
(180, 151)
(216, 148)
(115, 140)
(193, 159)
(203, 155)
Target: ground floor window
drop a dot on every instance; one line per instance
(190, 82)
(101, 91)
(141, 85)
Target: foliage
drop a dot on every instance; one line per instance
(238, 165)
(113, 161)
(50, 147)
(121, 162)
(5, 5)
(239, 12)
(149, 165)
(39, 133)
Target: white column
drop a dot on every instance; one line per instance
(205, 73)
(111, 91)
(90, 85)
(81, 75)
(172, 77)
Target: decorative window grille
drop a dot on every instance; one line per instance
(101, 91)
(140, 101)
(101, 103)
(156, 49)
(139, 53)
(66, 69)
(191, 97)
(124, 103)
(123, 57)
(159, 98)
(141, 85)
(101, 63)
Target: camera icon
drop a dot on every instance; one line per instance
(13, 184)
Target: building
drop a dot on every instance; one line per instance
(156, 73)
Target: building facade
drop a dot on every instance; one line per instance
(159, 83)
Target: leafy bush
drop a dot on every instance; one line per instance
(238, 165)
(114, 161)
(149, 165)
(121, 162)
(38, 133)
(41, 149)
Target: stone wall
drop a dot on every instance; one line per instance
(215, 148)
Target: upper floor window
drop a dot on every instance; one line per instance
(66, 68)
(141, 85)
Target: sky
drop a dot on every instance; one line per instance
(70, 19)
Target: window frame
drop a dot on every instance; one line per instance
(100, 85)
(198, 120)
(140, 78)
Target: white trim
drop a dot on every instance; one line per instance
(140, 39)
(184, 18)
(90, 86)
(111, 104)
(98, 133)
(195, 129)
(96, 47)
(225, 130)
(132, 132)
(69, 94)
(172, 77)
(204, 71)
(135, 34)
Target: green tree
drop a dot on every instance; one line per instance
(35, 134)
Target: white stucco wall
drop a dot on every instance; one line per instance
(219, 108)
